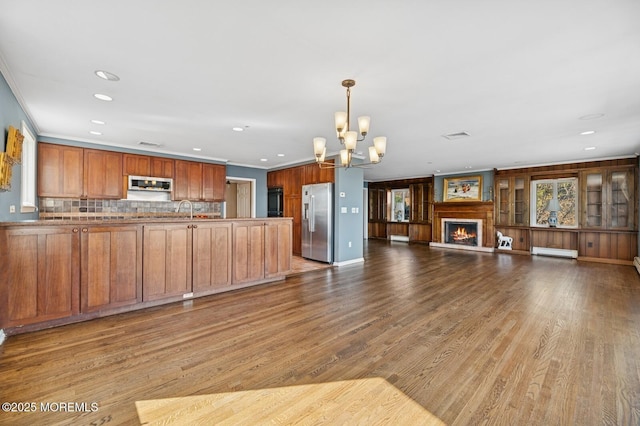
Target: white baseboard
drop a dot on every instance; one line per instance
(636, 263)
(2, 336)
(349, 262)
(546, 251)
(403, 238)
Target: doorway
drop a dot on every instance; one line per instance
(240, 198)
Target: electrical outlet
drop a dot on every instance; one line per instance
(12, 208)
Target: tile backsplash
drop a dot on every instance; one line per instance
(98, 209)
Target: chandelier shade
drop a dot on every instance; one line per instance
(350, 138)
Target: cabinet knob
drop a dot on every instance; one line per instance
(75, 230)
(85, 230)
(194, 226)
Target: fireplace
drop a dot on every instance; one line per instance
(461, 233)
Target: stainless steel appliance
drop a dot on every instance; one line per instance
(149, 188)
(275, 207)
(317, 222)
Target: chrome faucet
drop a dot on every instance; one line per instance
(190, 207)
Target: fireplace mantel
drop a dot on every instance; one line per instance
(465, 210)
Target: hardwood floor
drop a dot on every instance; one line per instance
(474, 338)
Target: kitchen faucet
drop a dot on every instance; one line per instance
(190, 207)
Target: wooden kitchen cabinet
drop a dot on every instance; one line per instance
(110, 267)
(102, 174)
(277, 248)
(214, 178)
(248, 251)
(166, 261)
(162, 167)
(144, 165)
(190, 257)
(60, 171)
(211, 265)
(41, 275)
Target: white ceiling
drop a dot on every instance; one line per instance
(517, 76)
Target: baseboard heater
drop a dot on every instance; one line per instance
(546, 251)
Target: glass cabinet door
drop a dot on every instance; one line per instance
(503, 201)
(620, 199)
(520, 191)
(593, 200)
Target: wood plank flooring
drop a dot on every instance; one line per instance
(474, 338)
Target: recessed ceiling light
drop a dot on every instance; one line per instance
(588, 132)
(280, 155)
(106, 75)
(591, 116)
(468, 167)
(197, 149)
(590, 148)
(263, 159)
(103, 97)
(238, 129)
(97, 122)
(93, 132)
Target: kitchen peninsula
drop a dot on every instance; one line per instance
(64, 271)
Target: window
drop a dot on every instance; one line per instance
(400, 205)
(542, 192)
(28, 190)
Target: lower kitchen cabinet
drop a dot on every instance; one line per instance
(111, 266)
(248, 251)
(186, 258)
(41, 275)
(277, 248)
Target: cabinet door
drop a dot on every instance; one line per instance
(502, 201)
(293, 209)
(41, 276)
(277, 253)
(136, 165)
(162, 167)
(60, 171)
(187, 183)
(166, 261)
(214, 178)
(211, 255)
(593, 199)
(621, 199)
(520, 201)
(248, 251)
(102, 174)
(111, 266)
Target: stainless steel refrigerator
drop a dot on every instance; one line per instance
(317, 222)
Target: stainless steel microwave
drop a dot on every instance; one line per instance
(152, 184)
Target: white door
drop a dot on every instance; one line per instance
(244, 199)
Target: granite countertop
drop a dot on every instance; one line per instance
(129, 221)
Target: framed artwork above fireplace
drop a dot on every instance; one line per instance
(464, 188)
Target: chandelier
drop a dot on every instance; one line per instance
(350, 138)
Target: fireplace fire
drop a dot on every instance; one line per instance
(462, 233)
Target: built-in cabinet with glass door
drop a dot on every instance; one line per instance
(608, 199)
(512, 208)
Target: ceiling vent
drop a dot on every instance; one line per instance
(151, 144)
(453, 136)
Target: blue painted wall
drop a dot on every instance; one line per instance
(349, 226)
(12, 114)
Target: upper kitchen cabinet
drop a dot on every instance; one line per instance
(214, 178)
(199, 181)
(144, 165)
(187, 183)
(60, 171)
(102, 174)
(72, 172)
(608, 198)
